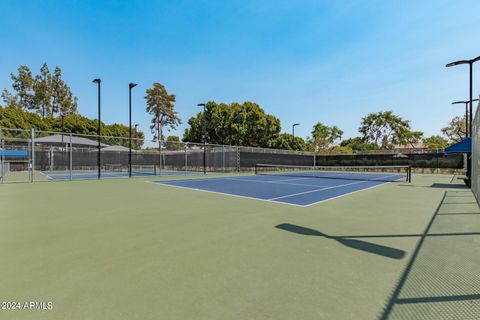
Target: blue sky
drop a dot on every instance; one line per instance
(303, 61)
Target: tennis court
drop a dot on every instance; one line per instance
(112, 172)
(297, 185)
(374, 254)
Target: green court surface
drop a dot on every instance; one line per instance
(127, 249)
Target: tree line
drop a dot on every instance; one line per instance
(45, 102)
(45, 93)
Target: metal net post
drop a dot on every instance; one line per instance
(32, 165)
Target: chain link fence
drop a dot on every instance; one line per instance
(475, 183)
(31, 155)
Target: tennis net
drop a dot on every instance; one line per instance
(136, 169)
(367, 173)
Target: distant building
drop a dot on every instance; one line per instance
(418, 147)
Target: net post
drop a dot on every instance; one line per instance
(32, 154)
(71, 157)
(409, 174)
(256, 169)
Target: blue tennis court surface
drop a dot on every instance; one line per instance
(92, 174)
(300, 191)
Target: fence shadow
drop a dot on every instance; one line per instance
(448, 186)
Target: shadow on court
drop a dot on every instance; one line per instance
(351, 243)
(448, 186)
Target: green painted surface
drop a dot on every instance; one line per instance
(126, 249)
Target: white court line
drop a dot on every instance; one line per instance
(46, 175)
(277, 182)
(223, 193)
(346, 194)
(290, 179)
(333, 187)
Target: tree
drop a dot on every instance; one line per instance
(324, 136)
(435, 142)
(160, 104)
(173, 143)
(234, 124)
(358, 144)
(384, 129)
(287, 141)
(413, 137)
(42, 91)
(456, 130)
(45, 93)
(9, 99)
(23, 85)
(63, 100)
(341, 150)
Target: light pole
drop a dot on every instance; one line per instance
(130, 86)
(204, 139)
(99, 132)
(470, 64)
(293, 129)
(466, 115)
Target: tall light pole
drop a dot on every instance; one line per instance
(99, 132)
(466, 115)
(204, 138)
(293, 128)
(130, 86)
(470, 64)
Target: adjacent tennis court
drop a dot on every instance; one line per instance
(298, 185)
(113, 172)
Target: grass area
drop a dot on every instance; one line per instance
(126, 249)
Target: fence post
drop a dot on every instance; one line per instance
(2, 156)
(186, 158)
(238, 158)
(32, 155)
(223, 158)
(71, 157)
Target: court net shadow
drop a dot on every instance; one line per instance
(373, 248)
(441, 279)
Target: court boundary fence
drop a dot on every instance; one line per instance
(66, 155)
(475, 179)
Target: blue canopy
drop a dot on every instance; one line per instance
(464, 146)
(14, 153)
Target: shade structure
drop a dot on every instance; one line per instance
(464, 146)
